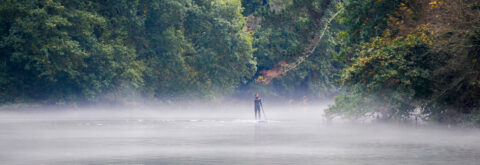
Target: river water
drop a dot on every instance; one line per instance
(224, 137)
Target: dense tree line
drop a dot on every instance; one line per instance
(62, 50)
(391, 59)
(283, 33)
(406, 57)
(388, 59)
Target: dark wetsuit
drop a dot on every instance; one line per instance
(258, 104)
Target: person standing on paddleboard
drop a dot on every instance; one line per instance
(258, 104)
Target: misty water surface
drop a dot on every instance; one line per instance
(222, 136)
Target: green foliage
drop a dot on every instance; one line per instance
(54, 51)
(402, 64)
(201, 49)
(433, 68)
(251, 5)
(59, 50)
(352, 105)
(283, 37)
(359, 22)
(457, 98)
(395, 72)
(391, 57)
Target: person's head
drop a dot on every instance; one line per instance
(257, 95)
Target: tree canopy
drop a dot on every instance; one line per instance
(56, 50)
(388, 59)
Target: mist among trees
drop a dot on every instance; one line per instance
(387, 59)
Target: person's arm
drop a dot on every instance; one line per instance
(261, 103)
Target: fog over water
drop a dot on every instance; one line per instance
(222, 135)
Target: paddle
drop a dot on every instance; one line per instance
(264, 116)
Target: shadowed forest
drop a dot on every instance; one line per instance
(385, 59)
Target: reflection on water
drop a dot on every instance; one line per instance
(234, 139)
